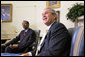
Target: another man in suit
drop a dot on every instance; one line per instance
(57, 40)
(26, 38)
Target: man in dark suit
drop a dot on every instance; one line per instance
(57, 40)
(26, 38)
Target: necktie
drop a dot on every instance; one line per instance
(24, 33)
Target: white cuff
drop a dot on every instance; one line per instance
(30, 54)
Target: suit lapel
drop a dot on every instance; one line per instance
(44, 40)
(52, 26)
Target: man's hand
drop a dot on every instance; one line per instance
(13, 46)
(25, 54)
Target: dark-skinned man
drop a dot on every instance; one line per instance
(26, 38)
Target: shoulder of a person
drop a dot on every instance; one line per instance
(22, 31)
(56, 26)
(31, 30)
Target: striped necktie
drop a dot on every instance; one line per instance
(24, 33)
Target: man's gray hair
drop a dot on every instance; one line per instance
(52, 10)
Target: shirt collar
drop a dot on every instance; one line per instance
(48, 27)
(26, 30)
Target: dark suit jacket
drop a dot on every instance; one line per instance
(25, 41)
(56, 42)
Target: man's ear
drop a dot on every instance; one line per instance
(55, 16)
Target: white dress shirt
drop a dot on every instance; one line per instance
(26, 30)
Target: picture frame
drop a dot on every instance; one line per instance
(53, 4)
(6, 12)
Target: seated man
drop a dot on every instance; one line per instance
(26, 38)
(57, 40)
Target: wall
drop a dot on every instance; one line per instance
(32, 12)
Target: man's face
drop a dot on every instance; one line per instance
(47, 17)
(25, 25)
